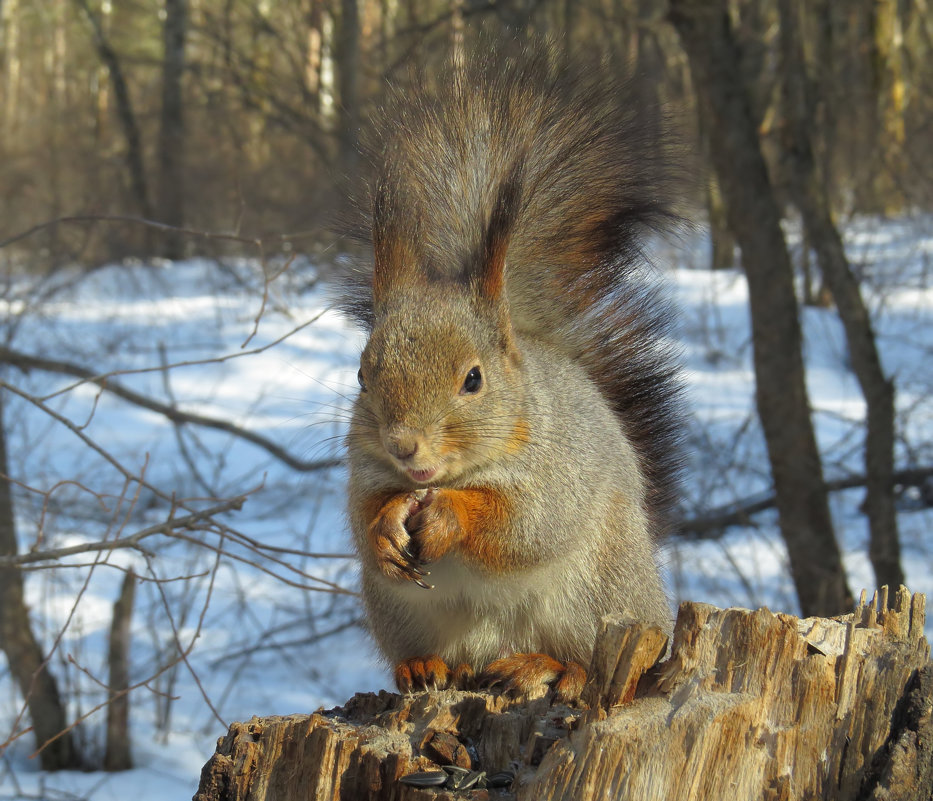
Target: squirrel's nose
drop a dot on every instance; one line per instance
(402, 444)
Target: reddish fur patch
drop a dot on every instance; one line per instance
(436, 528)
(389, 264)
(570, 684)
(494, 274)
(458, 439)
(499, 231)
(472, 520)
(523, 673)
(483, 516)
(374, 504)
(521, 436)
(422, 673)
(463, 677)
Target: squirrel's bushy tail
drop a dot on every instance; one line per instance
(571, 171)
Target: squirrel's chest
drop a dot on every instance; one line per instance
(464, 598)
(474, 617)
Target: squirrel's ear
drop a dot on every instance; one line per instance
(395, 262)
(489, 271)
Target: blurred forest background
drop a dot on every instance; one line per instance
(139, 130)
(243, 115)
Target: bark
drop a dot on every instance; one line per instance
(808, 194)
(172, 128)
(722, 240)
(890, 94)
(117, 755)
(125, 112)
(23, 652)
(347, 58)
(60, 56)
(903, 769)
(754, 218)
(12, 64)
(749, 706)
(314, 52)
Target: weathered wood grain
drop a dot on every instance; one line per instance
(749, 705)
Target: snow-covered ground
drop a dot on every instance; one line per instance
(265, 639)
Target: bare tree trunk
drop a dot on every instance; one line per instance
(891, 93)
(827, 91)
(117, 755)
(60, 54)
(314, 48)
(12, 66)
(456, 34)
(568, 28)
(807, 191)
(803, 509)
(347, 56)
(722, 240)
(172, 130)
(54, 134)
(27, 663)
(124, 106)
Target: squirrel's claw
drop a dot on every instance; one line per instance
(391, 541)
(521, 674)
(422, 673)
(416, 563)
(400, 568)
(415, 573)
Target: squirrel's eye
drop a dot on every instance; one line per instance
(359, 377)
(472, 382)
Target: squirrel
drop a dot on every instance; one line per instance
(513, 448)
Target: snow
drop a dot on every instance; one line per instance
(263, 645)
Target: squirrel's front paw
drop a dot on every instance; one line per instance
(392, 542)
(435, 527)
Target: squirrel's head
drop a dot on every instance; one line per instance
(439, 377)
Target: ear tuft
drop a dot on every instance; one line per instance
(505, 212)
(395, 260)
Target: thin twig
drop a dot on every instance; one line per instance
(125, 218)
(266, 282)
(132, 541)
(171, 413)
(712, 523)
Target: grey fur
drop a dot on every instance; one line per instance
(576, 419)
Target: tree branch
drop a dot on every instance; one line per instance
(710, 525)
(132, 541)
(25, 361)
(125, 218)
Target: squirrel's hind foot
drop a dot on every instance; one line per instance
(522, 674)
(431, 673)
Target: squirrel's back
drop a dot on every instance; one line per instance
(568, 172)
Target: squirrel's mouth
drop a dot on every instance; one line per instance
(422, 476)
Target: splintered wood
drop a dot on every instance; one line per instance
(749, 705)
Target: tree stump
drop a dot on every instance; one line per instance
(749, 705)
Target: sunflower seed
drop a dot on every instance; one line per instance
(502, 779)
(428, 778)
